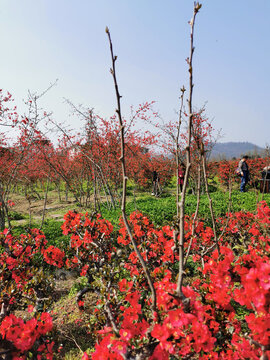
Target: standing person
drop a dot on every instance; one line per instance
(244, 172)
(155, 181)
(181, 175)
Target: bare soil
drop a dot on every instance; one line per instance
(54, 208)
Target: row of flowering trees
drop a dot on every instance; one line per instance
(84, 165)
(225, 170)
(88, 166)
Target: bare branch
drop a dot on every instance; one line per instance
(197, 6)
(122, 159)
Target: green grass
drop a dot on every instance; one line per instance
(52, 230)
(162, 210)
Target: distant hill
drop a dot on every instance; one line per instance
(228, 150)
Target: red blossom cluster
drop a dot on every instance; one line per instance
(23, 335)
(90, 245)
(54, 256)
(22, 283)
(17, 258)
(228, 312)
(8, 112)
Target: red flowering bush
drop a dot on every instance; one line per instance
(228, 291)
(225, 170)
(228, 312)
(54, 256)
(19, 275)
(22, 283)
(90, 241)
(90, 252)
(21, 336)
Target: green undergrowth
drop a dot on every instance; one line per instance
(72, 324)
(52, 230)
(160, 210)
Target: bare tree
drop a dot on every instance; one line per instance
(123, 164)
(181, 224)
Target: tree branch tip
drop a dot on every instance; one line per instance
(183, 89)
(198, 6)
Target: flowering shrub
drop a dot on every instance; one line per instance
(228, 312)
(225, 169)
(90, 244)
(228, 291)
(23, 335)
(23, 283)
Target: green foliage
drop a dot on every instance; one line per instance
(130, 187)
(22, 229)
(241, 311)
(112, 215)
(80, 284)
(162, 210)
(54, 235)
(172, 183)
(14, 215)
(191, 267)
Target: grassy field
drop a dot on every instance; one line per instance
(161, 210)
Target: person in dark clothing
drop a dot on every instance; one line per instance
(244, 172)
(155, 182)
(181, 175)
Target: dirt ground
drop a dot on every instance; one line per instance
(34, 206)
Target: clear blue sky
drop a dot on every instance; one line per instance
(48, 39)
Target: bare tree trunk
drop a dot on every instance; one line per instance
(2, 209)
(210, 200)
(34, 191)
(195, 215)
(181, 226)
(95, 191)
(177, 154)
(134, 197)
(4, 215)
(88, 192)
(2, 219)
(107, 187)
(28, 198)
(105, 192)
(59, 191)
(123, 164)
(45, 202)
(7, 215)
(66, 193)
